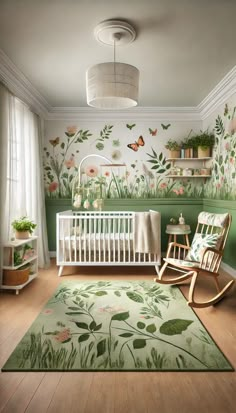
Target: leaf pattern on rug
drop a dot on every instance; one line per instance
(116, 325)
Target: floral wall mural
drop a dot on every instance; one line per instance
(140, 164)
(223, 182)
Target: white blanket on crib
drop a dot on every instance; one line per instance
(147, 232)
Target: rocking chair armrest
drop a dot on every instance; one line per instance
(219, 253)
(175, 245)
(210, 249)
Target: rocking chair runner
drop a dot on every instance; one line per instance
(202, 258)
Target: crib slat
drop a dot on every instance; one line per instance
(118, 240)
(103, 240)
(109, 239)
(114, 239)
(89, 238)
(98, 236)
(69, 237)
(129, 223)
(85, 239)
(94, 239)
(75, 240)
(63, 239)
(123, 238)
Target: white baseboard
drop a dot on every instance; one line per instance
(52, 254)
(228, 269)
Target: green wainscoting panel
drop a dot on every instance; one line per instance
(220, 207)
(52, 207)
(168, 208)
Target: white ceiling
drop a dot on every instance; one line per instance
(183, 47)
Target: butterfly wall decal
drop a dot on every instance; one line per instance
(134, 146)
(54, 142)
(130, 126)
(152, 132)
(165, 127)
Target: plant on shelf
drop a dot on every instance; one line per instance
(174, 148)
(17, 258)
(173, 221)
(22, 254)
(23, 227)
(187, 147)
(204, 142)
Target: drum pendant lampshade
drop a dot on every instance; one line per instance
(112, 88)
(113, 85)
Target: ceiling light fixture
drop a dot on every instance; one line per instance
(113, 85)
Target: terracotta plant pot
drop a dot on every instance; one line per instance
(203, 152)
(188, 153)
(22, 234)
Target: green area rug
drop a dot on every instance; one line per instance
(117, 325)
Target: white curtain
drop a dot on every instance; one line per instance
(21, 169)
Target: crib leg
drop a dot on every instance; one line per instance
(60, 271)
(157, 268)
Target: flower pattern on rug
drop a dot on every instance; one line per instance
(115, 326)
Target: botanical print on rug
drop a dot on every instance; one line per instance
(116, 325)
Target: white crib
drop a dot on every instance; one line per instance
(99, 238)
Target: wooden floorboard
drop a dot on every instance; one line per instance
(115, 392)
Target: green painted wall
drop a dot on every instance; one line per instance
(167, 207)
(221, 207)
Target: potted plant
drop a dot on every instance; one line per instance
(174, 148)
(204, 142)
(187, 148)
(23, 227)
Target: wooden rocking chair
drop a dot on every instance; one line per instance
(202, 258)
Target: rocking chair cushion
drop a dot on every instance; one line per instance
(199, 243)
(216, 220)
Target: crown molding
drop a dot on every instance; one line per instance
(221, 92)
(18, 84)
(136, 114)
(21, 87)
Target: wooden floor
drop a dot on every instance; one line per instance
(115, 392)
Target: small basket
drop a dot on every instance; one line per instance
(16, 277)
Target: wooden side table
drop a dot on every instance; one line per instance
(175, 230)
